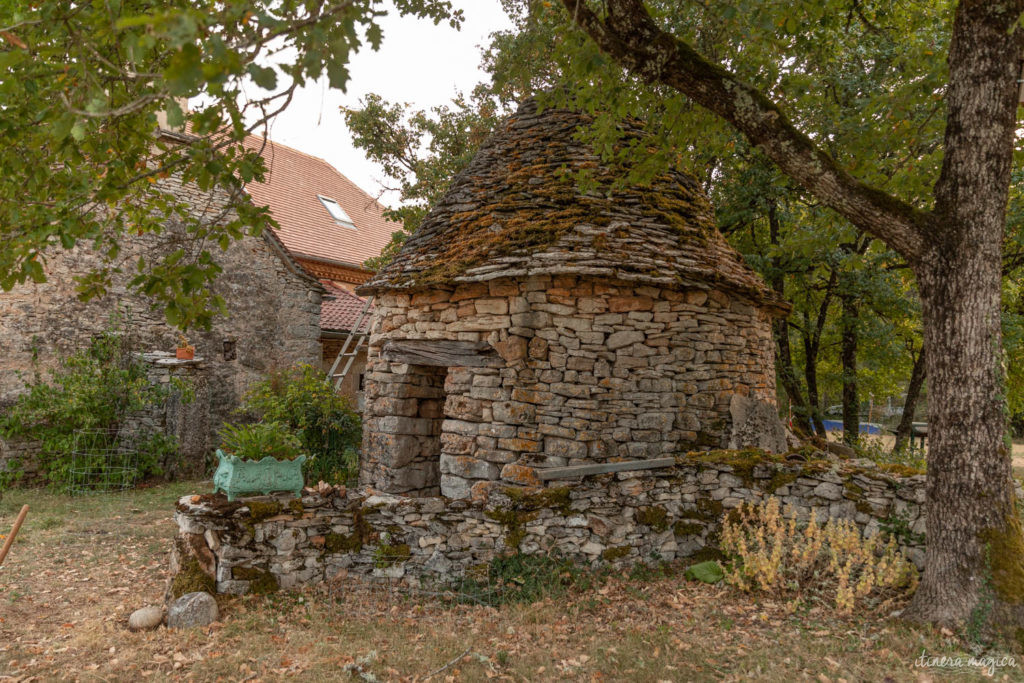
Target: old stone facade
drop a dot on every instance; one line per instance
(527, 325)
(273, 310)
(620, 519)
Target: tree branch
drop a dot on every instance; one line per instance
(628, 33)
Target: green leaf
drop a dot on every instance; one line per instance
(263, 76)
(708, 572)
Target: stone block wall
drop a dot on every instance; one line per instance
(620, 519)
(20, 455)
(273, 310)
(184, 414)
(594, 370)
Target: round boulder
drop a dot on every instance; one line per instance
(192, 609)
(146, 619)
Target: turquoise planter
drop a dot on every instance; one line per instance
(237, 477)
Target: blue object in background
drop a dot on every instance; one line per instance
(865, 427)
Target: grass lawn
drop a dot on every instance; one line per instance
(81, 565)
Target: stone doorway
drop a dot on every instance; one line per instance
(407, 429)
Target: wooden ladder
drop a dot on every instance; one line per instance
(339, 377)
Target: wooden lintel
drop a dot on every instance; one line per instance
(441, 353)
(575, 471)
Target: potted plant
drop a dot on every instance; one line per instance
(258, 458)
(185, 351)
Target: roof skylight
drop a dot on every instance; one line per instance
(337, 213)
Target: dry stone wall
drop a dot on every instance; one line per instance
(270, 542)
(594, 370)
(184, 414)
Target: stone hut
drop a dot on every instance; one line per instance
(530, 324)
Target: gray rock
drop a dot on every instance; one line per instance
(192, 609)
(146, 619)
(756, 424)
(828, 491)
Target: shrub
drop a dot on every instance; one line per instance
(303, 400)
(771, 552)
(519, 577)
(260, 440)
(93, 391)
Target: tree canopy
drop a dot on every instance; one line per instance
(81, 85)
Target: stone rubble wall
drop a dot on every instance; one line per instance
(594, 370)
(21, 456)
(183, 415)
(273, 312)
(269, 542)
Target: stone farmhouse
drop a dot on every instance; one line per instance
(527, 327)
(288, 291)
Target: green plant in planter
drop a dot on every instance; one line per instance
(260, 458)
(303, 399)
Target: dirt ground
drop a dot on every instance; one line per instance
(80, 566)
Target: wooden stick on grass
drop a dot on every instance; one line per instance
(14, 532)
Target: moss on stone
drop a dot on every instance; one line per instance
(705, 509)
(336, 543)
(556, 499)
(615, 553)
(681, 528)
(192, 579)
(295, 505)
(514, 522)
(741, 462)
(653, 516)
(899, 470)
(779, 479)
(388, 555)
(707, 553)
(261, 581)
(710, 510)
(260, 510)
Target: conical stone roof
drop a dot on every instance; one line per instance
(517, 210)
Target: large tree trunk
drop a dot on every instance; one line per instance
(975, 551)
(851, 402)
(917, 376)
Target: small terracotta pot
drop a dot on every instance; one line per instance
(184, 354)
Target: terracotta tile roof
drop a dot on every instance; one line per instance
(340, 313)
(516, 211)
(294, 179)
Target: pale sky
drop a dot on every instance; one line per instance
(418, 63)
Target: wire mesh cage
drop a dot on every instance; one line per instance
(102, 461)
